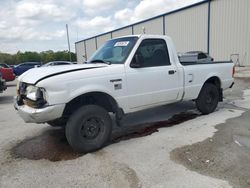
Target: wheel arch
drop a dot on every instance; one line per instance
(214, 80)
(99, 98)
(217, 82)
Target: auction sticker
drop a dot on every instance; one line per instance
(122, 43)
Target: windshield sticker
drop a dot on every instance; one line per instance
(122, 43)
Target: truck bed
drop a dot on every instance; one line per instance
(196, 74)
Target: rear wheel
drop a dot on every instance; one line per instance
(89, 128)
(208, 98)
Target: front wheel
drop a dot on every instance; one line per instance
(89, 128)
(208, 98)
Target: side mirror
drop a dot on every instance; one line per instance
(136, 61)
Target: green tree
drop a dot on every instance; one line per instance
(43, 57)
(6, 58)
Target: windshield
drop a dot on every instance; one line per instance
(114, 51)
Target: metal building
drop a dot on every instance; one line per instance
(219, 27)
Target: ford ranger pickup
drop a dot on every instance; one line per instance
(125, 75)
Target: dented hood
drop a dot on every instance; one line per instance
(35, 75)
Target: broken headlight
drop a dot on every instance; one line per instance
(31, 95)
(34, 93)
(35, 96)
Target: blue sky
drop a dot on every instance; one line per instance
(32, 25)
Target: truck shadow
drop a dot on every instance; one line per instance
(52, 143)
(140, 130)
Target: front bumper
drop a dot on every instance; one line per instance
(41, 115)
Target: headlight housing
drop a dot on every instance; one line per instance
(31, 95)
(31, 92)
(35, 93)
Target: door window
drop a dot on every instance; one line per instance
(202, 56)
(61, 63)
(30, 65)
(153, 53)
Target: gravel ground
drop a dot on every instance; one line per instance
(142, 153)
(226, 155)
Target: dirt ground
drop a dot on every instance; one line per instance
(226, 155)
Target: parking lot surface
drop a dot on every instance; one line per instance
(169, 146)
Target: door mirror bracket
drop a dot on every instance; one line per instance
(136, 62)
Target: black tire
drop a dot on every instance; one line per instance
(208, 98)
(57, 123)
(88, 128)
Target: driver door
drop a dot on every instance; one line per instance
(155, 80)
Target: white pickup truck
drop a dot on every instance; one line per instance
(125, 75)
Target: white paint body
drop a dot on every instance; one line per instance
(142, 88)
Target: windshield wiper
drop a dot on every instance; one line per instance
(100, 61)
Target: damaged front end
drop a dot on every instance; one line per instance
(32, 105)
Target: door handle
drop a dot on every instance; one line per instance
(171, 71)
(190, 77)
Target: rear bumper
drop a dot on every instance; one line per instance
(10, 78)
(42, 115)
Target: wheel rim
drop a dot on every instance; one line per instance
(91, 128)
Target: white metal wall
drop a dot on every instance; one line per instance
(122, 32)
(154, 26)
(230, 30)
(80, 52)
(102, 39)
(188, 28)
(90, 47)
